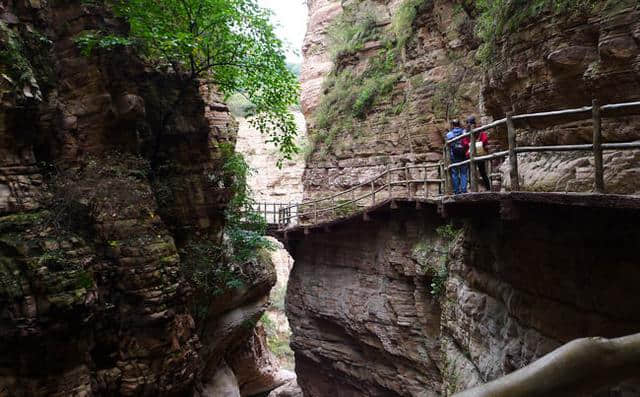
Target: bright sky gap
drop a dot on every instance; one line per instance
(290, 19)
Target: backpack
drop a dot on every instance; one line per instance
(458, 149)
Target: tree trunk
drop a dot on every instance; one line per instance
(583, 365)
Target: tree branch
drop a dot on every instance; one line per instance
(581, 366)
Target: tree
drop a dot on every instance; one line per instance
(230, 43)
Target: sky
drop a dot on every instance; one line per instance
(290, 18)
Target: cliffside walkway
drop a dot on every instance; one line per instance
(430, 184)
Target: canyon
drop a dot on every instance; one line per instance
(112, 194)
(115, 192)
(416, 301)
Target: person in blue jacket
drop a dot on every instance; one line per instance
(458, 152)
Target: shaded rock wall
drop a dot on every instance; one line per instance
(362, 317)
(108, 170)
(364, 322)
(518, 290)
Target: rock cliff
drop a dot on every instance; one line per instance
(363, 319)
(413, 61)
(381, 79)
(411, 308)
(372, 304)
(111, 183)
(559, 62)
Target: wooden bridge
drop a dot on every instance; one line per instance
(431, 183)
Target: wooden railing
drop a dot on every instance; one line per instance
(395, 183)
(595, 112)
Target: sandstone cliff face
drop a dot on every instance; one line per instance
(272, 184)
(268, 182)
(565, 62)
(363, 319)
(359, 299)
(317, 61)
(518, 290)
(554, 62)
(365, 323)
(93, 295)
(435, 79)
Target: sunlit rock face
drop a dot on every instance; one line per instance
(405, 126)
(317, 61)
(270, 183)
(564, 62)
(550, 62)
(108, 170)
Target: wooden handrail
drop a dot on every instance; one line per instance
(285, 213)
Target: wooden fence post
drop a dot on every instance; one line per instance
(389, 179)
(489, 165)
(472, 165)
(513, 156)
(373, 192)
(441, 177)
(315, 212)
(597, 148)
(406, 178)
(447, 173)
(426, 185)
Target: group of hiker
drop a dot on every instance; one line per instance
(460, 151)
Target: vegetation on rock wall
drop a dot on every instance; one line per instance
(499, 18)
(405, 17)
(278, 341)
(229, 44)
(245, 228)
(351, 30)
(350, 95)
(16, 70)
(433, 255)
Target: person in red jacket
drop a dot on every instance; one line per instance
(482, 140)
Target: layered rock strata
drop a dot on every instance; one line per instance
(108, 170)
(560, 62)
(363, 319)
(436, 79)
(365, 323)
(551, 62)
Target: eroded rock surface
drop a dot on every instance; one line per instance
(551, 62)
(363, 320)
(565, 62)
(109, 169)
(436, 79)
(519, 290)
(365, 323)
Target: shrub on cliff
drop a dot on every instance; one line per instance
(230, 44)
(498, 18)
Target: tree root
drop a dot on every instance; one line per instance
(583, 365)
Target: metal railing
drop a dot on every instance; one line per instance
(399, 183)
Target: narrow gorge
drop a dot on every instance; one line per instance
(417, 301)
(163, 233)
